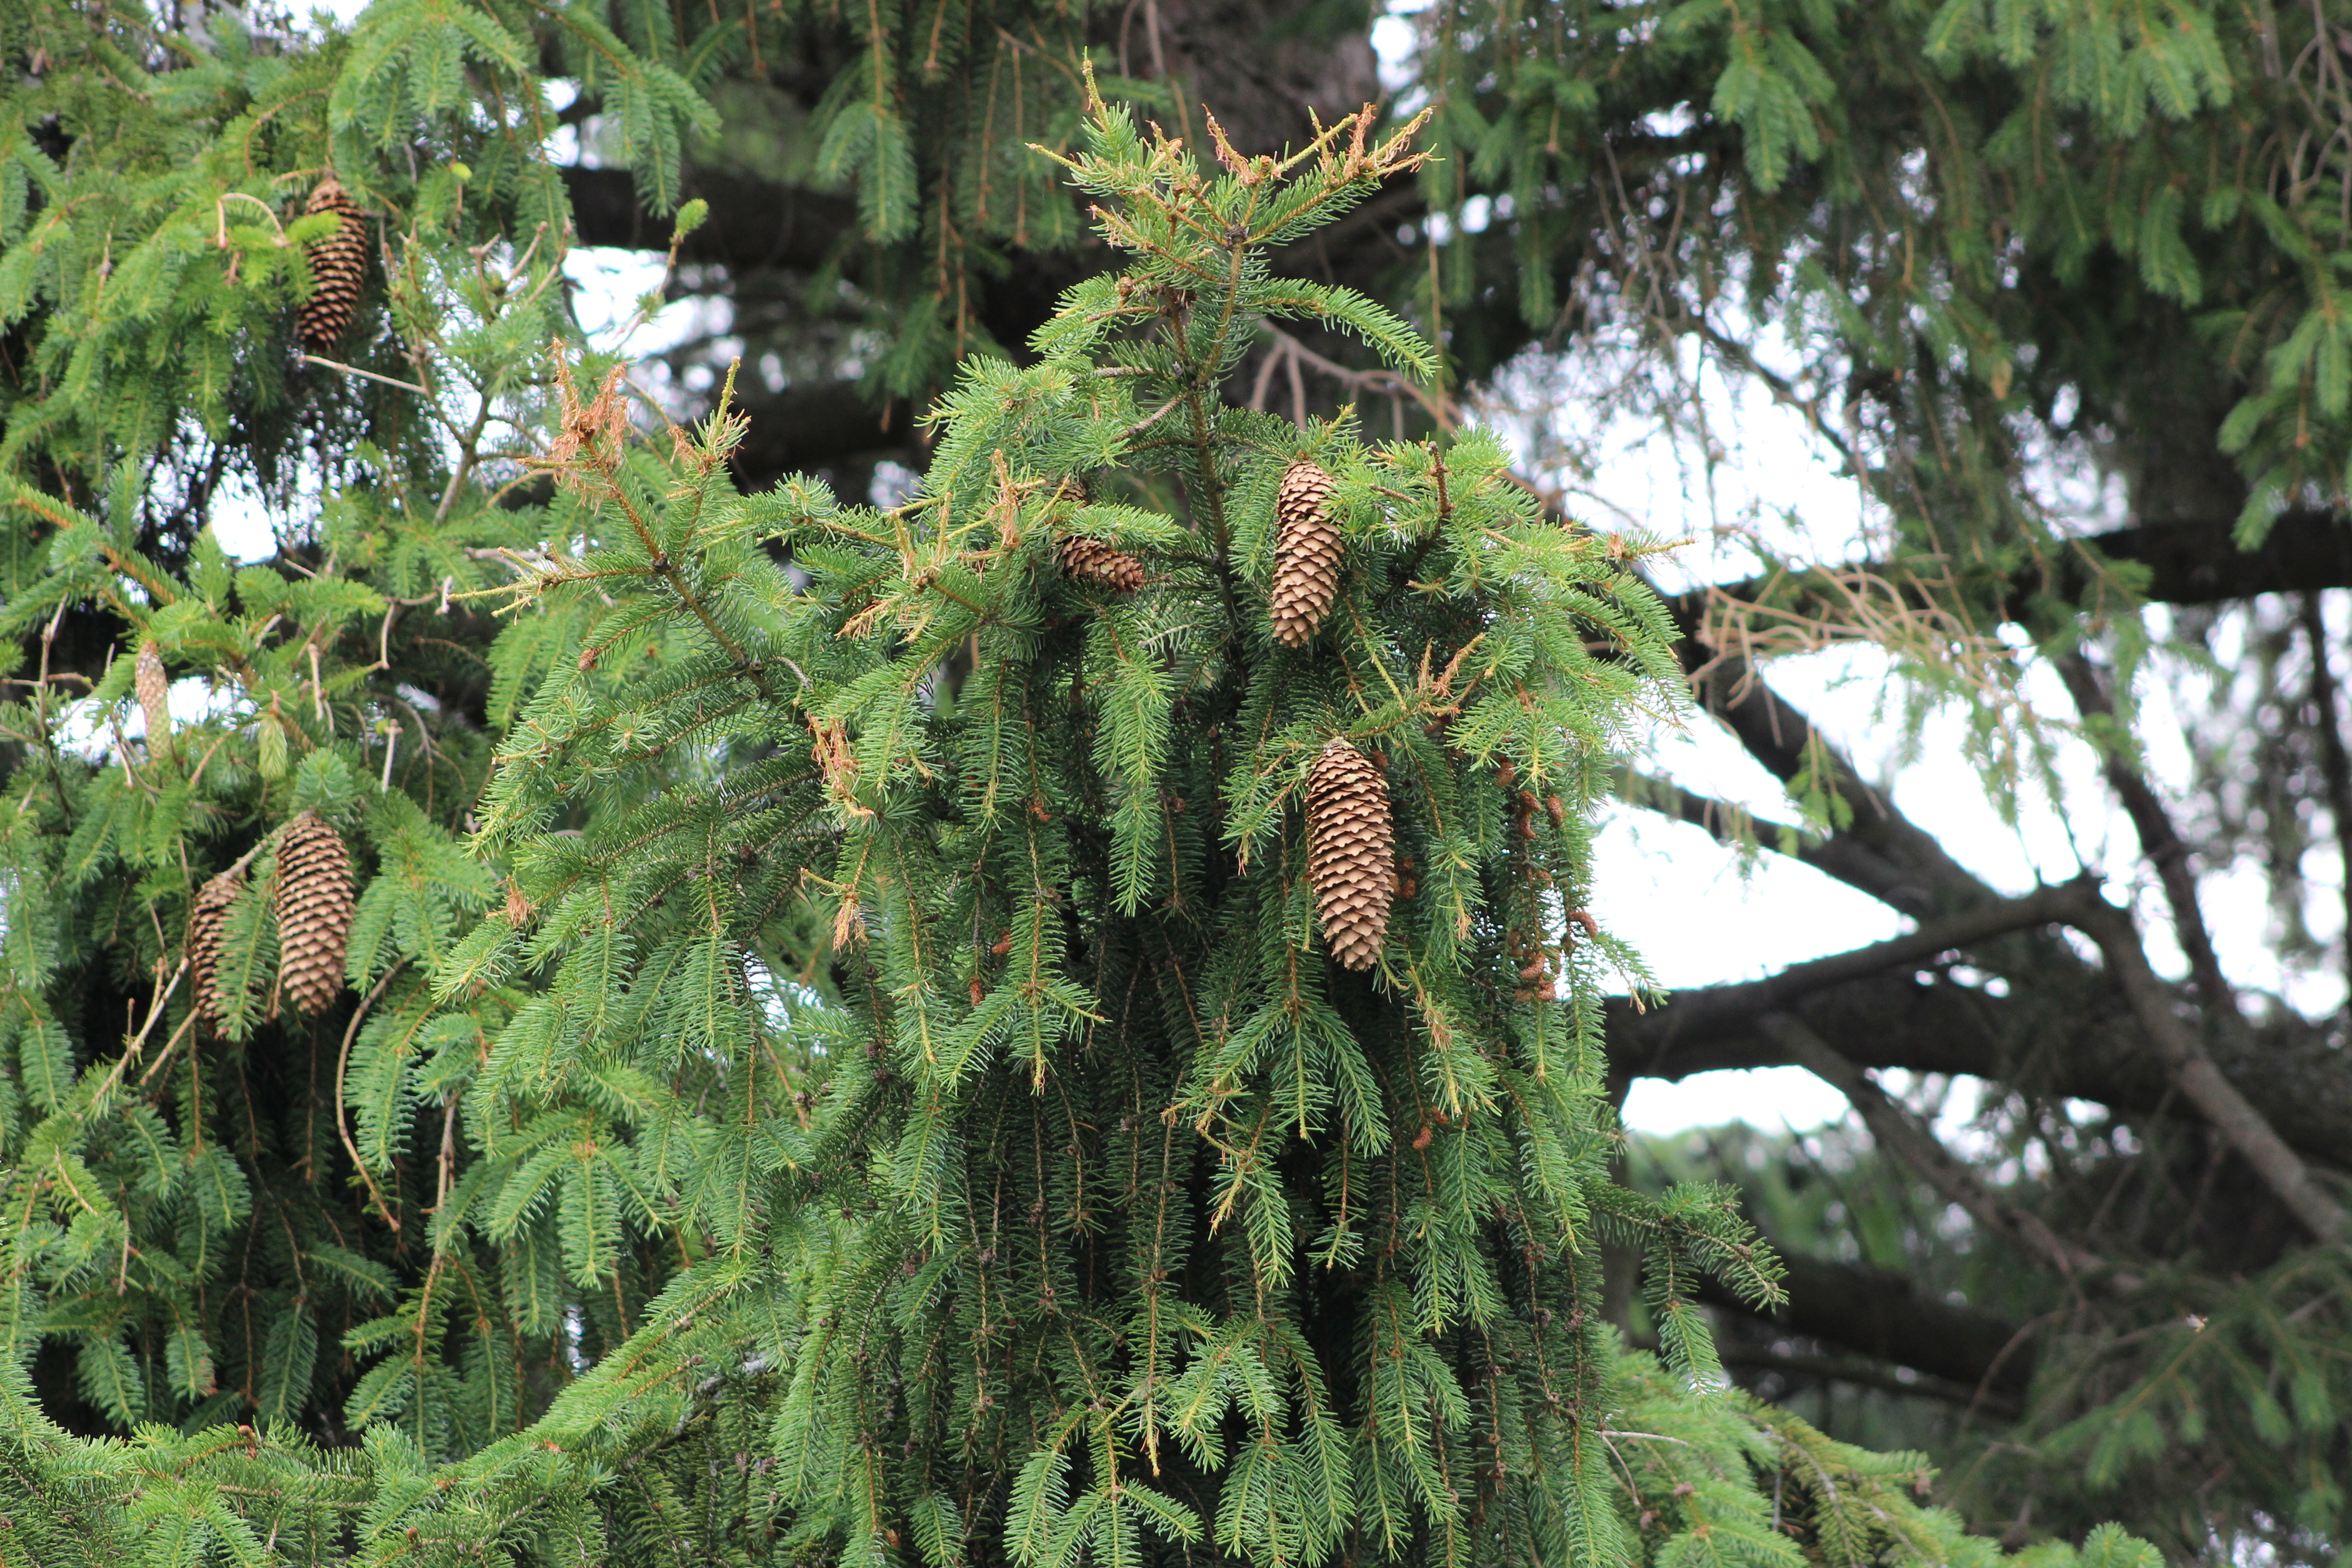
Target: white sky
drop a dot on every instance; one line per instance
(1686, 903)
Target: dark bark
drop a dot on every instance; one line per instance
(804, 428)
(1878, 1314)
(2079, 1043)
(753, 225)
(1896, 1130)
(2334, 764)
(2197, 562)
(1776, 1375)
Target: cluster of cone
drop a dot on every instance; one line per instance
(1350, 839)
(315, 895)
(314, 906)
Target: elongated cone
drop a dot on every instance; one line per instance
(1306, 555)
(155, 698)
(314, 912)
(1350, 853)
(207, 917)
(338, 269)
(1085, 560)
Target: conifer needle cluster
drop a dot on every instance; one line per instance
(903, 1039)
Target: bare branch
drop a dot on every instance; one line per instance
(2335, 767)
(2158, 839)
(1900, 1134)
(2201, 1081)
(1880, 850)
(1968, 928)
(2193, 561)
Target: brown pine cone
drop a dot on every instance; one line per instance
(314, 911)
(1087, 560)
(207, 921)
(155, 698)
(1350, 853)
(1306, 555)
(338, 269)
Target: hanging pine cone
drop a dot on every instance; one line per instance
(1306, 555)
(1074, 491)
(1350, 853)
(207, 921)
(338, 267)
(1085, 560)
(314, 912)
(155, 698)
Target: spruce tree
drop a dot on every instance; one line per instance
(232, 1114)
(916, 1054)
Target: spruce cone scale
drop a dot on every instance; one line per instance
(1350, 853)
(155, 698)
(338, 269)
(207, 922)
(1092, 561)
(1306, 550)
(315, 900)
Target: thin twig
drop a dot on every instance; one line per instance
(139, 1041)
(371, 375)
(343, 1064)
(2159, 840)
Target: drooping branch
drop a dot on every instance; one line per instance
(1879, 850)
(2276, 1091)
(1880, 841)
(2075, 1043)
(2185, 561)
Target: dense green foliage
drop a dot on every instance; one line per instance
(1983, 229)
(866, 1083)
(838, 1059)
